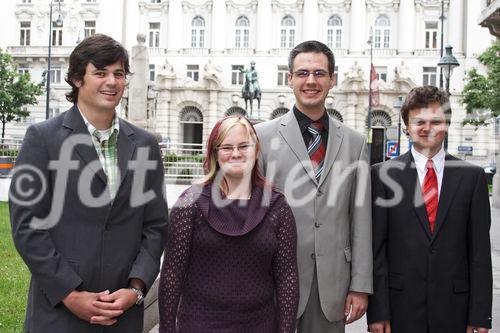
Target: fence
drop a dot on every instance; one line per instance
(182, 162)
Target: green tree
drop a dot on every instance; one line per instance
(481, 93)
(16, 91)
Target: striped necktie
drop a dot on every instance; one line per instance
(430, 193)
(316, 149)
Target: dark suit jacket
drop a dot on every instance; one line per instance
(423, 281)
(84, 248)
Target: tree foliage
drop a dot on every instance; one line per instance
(16, 91)
(481, 93)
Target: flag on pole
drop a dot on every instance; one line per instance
(375, 95)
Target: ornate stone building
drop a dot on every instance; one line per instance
(196, 49)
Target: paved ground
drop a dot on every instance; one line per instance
(173, 192)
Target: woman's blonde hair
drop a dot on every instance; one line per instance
(218, 134)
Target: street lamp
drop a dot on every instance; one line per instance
(369, 137)
(447, 63)
(398, 103)
(58, 23)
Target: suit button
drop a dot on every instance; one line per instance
(317, 225)
(433, 251)
(313, 256)
(319, 193)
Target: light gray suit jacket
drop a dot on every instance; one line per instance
(333, 215)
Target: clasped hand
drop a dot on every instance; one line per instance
(100, 308)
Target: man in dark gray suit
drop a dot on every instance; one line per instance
(86, 203)
(322, 167)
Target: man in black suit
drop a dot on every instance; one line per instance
(431, 220)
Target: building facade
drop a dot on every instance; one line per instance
(197, 48)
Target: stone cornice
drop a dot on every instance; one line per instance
(197, 7)
(419, 4)
(382, 4)
(234, 6)
(288, 5)
(162, 6)
(334, 5)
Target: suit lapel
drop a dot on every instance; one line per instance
(74, 121)
(126, 148)
(449, 186)
(335, 137)
(290, 132)
(411, 186)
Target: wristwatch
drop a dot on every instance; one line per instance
(140, 295)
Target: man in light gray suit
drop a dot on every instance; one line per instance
(86, 202)
(322, 167)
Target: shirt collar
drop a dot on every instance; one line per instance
(115, 126)
(304, 121)
(421, 160)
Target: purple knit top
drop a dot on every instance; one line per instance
(229, 269)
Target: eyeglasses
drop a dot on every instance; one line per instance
(228, 149)
(304, 74)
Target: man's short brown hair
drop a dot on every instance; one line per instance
(422, 97)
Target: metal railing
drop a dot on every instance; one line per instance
(9, 149)
(182, 162)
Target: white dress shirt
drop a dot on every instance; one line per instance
(421, 160)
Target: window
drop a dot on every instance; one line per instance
(89, 29)
(55, 75)
(91, 0)
(335, 75)
(155, 1)
(59, 1)
(25, 34)
(287, 32)
(236, 74)
(193, 72)
(381, 73)
(431, 33)
(334, 32)
(282, 75)
(198, 32)
(57, 33)
(382, 32)
(23, 69)
(429, 76)
(54, 112)
(26, 1)
(152, 72)
(154, 34)
(242, 32)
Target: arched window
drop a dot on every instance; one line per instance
(334, 32)
(242, 32)
(288, 32)
(278, 112)
(191, 121)
(382, 35)
(335, 114)
(236, 111)
(198, 32)
(380, 118)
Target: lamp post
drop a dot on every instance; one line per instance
(58, 22)
(447, 63)
(398, 103)
(369, 137)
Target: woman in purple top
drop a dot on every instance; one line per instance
(230, 263)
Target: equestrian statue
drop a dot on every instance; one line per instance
(251, 89)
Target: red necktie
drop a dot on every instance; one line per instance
(430, 193)
(316, 148)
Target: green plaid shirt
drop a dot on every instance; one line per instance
(105, 143)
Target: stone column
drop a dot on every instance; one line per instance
(138, 84)
(175, 26)
(264, 26)
(358, 36)
(406, 31)
(310, 20)
(218, 27)
(211, 114)
(456, 25)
